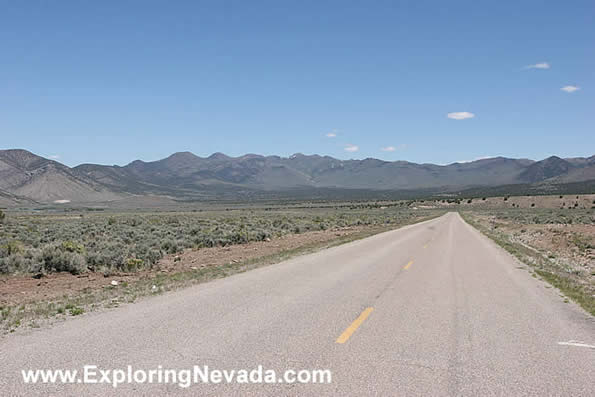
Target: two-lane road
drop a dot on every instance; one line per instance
(430, 309)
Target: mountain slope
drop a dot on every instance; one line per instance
(583, 169)
(545, 169)
(25, 174)
(189, 173)
(186, 171)
(185, 175)
(10, 200)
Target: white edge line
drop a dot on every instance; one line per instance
(576, 343)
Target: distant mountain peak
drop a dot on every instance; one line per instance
(183, 155)
(136, 162)
(249, 156)
(550, 167)
(553, 158)
(218, 156)
(24, 159)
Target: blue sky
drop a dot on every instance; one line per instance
(113, 81)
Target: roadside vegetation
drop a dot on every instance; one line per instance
(130, 242)
(61, 265)
(558, 245)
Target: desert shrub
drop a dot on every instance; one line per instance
(264, 235)
(134, 222)
(109, 256)
(12, 247)
(170, 246)
(71, 246)
(239, 237)
(106, 242)
(57, 258)
(12, 264)
(76, 311)
(133, 264)
(151, 257)
(22, 261)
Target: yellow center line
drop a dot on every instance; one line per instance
(354, 325)
(408, 265)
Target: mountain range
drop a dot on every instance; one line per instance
(26, 178)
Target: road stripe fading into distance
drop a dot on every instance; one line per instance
(354, 325)
(408, 265)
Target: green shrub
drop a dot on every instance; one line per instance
(57, 259)
(134, 264)
(170, 246)
(12, 247)
(71, 246)
(76, 311)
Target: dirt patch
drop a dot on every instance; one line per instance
(20, 289)
(570, 245)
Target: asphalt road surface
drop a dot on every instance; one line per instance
(430, 309)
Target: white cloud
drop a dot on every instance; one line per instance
(570, 88)
(332, 134)
(460, 115)
(540, 65)
(351, 148)
(55, 157)
(388, 149)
